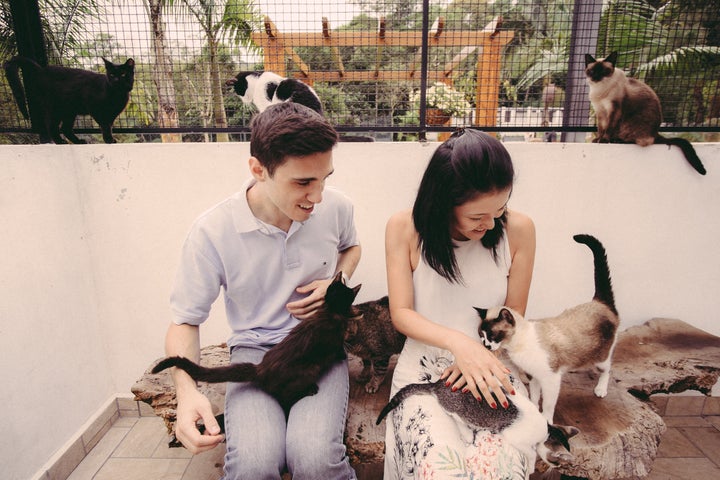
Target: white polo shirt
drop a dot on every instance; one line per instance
(258, 266)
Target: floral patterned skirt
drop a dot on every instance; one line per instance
(423, 442)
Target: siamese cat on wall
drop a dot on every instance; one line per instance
(628, 110)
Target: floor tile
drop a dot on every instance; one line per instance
(712, 406)
(681, 405)
(686, 421)
(98, 455)
(707, 440)
(142, 469)
(713, 420)
(683, 469)
(674, 444)
(207, 465)
(143, 439)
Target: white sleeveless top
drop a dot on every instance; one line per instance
(484, 285)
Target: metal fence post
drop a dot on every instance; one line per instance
(586, 19)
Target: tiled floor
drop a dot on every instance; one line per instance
(135, 448)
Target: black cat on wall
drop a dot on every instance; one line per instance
(63, 93)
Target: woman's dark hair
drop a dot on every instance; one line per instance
(289, 129)
(469, 163)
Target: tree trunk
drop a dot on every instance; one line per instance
(218, 105)
(162, 75)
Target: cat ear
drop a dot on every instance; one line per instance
(612, 58)
(130, 62)
(589, 59)
(356, 288)
(338, 277)
(507, 316)
(482, 312)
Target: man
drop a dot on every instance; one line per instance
(273, 248)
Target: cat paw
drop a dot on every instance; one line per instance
(373, 385)
(600, 392)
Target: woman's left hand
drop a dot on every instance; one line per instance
(479, 371)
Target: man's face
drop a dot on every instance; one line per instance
(297, 186)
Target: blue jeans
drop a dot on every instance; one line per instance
(261, 444)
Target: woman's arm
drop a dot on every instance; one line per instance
(521, 236)
(482, 371)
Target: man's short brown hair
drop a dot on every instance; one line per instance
(289, 129)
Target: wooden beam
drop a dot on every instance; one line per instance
(329, 41)
(370, 76)
(391, 39)
(380, 44)
(434, 34)
(277, 50)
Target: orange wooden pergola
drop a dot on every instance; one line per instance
(488, 42)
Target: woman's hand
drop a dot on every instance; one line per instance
(478, 371)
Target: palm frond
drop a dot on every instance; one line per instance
(682, 60)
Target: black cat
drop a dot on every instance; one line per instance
(291, 369)
(62, 93)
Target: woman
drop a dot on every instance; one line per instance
(459, 247)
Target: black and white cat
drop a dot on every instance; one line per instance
(263, 89)
(521, 424)
(628, 110)
(579, 337)
(62, 93)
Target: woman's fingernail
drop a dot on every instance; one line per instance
(493, 405)
(465, 390)
(505, 405)
(447, 384)
(513, 392)
(454, 389)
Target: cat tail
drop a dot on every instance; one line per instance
(687, 149)
(603, 283)
(401, 395)
(237, 372)
(12, 73)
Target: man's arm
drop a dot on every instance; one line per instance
(347, 262)
(184, 341)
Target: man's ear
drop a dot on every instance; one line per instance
(258, 171)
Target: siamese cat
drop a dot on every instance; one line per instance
(373, 338)
(521, 424)
(62, 93)
(263, 89)
(291, 369)
(628, 110)
(579, 337)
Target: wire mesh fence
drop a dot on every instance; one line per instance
(384, 69)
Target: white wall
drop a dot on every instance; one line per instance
(92, 234)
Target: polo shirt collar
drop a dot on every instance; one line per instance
(244, 219)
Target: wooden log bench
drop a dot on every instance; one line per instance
(619, 435)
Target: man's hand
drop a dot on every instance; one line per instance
(193, 406)
(304, 308)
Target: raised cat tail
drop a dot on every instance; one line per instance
(687, 149)
(603, 284)
(12, 68)
(237, 372)
(402, 394)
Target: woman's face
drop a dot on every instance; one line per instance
(476, 216)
